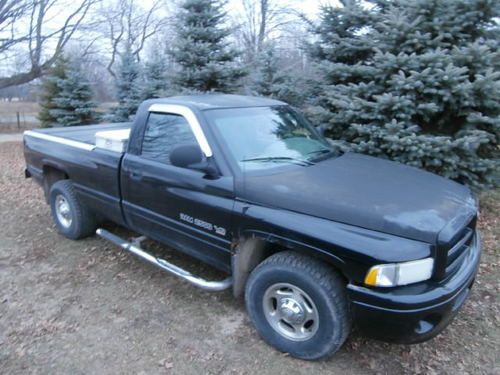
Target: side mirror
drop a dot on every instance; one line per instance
(191, 157)
(186, 155)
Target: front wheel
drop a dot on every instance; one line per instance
(298, 305)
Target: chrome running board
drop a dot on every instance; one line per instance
(134, 248)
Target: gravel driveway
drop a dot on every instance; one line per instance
(85, 307)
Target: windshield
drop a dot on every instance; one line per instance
(261, 137)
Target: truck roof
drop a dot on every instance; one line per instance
(212, 101)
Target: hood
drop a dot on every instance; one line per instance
(368, 192)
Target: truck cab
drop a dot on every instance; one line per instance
(315, 240)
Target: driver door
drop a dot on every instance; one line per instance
(176, 206)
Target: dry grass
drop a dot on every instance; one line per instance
(13, 107)
(28, 112)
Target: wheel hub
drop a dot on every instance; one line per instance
(291, 311)
(63, 211)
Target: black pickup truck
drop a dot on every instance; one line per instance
(317, 241)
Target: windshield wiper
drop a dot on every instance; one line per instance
(280, 159)
(322, 151)
(320, 154)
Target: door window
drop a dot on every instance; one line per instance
(163, 133)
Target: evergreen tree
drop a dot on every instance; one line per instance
(271, 79)
(156, 82)
(202, 53)
(66, 98)
(73, 104)
(49, 90)
(416, 81)
(128, 87)
(267, 77)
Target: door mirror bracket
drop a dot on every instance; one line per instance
(207, 166)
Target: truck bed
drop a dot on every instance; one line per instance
(93, 170)
(84, 134)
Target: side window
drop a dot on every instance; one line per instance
(163, 133)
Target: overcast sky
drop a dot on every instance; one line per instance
(13, 60)
(309, 7)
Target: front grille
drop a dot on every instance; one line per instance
(458, 250)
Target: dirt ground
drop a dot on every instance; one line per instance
(84, 307)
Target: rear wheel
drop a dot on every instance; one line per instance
(298, 305)
(72, 218)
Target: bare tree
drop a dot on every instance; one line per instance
(10, 12)
(23, 26)
(128, 24)
(262, 19)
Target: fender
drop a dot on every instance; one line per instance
(54, 164)
(52, 172)
(254, 246)
(291, 242)
(351, 250)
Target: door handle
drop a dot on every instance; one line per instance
(135, 176)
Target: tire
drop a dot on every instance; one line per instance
(73, 220)
(298, 305)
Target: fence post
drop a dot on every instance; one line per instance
(18, 120)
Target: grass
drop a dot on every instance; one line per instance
(28, 112)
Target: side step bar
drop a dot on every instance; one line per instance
(212, 286)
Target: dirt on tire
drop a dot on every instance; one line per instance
(79, 307)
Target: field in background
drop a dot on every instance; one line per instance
(16, 117)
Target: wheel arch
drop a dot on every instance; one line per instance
(253, 247)
(51, 174)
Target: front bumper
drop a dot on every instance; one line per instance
(418, 312)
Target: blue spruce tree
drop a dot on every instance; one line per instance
(70, 102)
(205, 60)
(128, 87)
(271, 78)
(415, 81)
(49, 90)
(156, 80)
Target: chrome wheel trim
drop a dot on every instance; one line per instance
(63, 211)
(290, 312)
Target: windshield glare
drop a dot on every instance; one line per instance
(261, 137)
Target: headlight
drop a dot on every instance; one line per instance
(394, 274)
